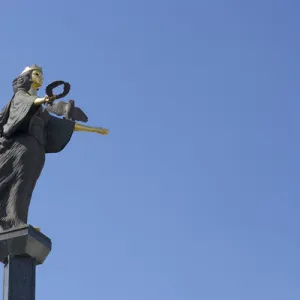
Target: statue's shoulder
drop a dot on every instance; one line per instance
(21, 93)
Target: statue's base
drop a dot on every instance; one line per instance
(21, 249)
(24, 241)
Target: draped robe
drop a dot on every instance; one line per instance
(28, 133)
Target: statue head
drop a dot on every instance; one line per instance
(31, 77)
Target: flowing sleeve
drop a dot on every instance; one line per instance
(19, 108)
(58, 134)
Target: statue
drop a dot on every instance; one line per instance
(28, 131)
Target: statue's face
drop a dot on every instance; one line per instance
(37, 78)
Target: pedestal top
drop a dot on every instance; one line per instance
(24, 241)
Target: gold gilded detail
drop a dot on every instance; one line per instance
(100, 130)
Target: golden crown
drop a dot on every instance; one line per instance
(33, 67)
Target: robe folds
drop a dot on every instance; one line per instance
(28, 133)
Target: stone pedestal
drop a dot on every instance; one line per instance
(21, 250)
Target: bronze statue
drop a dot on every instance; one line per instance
(28, 131)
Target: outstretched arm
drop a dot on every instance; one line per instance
(39, 101)
(80, 127)
(46, 99)
(77, 126)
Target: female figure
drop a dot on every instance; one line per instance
(27, 133)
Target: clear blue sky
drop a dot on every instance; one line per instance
(194, 194)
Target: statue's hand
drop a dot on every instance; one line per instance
(102, 131)
(44, 100)
(49, 99)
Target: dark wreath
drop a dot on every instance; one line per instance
(61, 108)
(55, 84)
